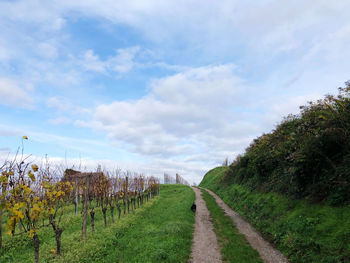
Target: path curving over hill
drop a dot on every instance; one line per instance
(205, 247)
(268, 253)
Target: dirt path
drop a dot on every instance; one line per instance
(205, 247)
(268, 253)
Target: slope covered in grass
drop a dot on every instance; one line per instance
(214, 176)
(159, 231)
(304, 232)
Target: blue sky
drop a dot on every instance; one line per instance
(162, 86)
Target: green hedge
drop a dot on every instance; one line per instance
(306, 156)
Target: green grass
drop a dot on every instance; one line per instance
(161, 234)
(234, 246)
(213, 177)
(304, 232)
(160, 231)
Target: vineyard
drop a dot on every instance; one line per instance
(37, 198)
(168, 179)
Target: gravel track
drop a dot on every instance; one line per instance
(266, 251)
(205, 247)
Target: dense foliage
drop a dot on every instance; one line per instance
(306, 156)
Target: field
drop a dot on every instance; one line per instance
(159, 231)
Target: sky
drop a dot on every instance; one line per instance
(162, 86)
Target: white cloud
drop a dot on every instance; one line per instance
(33, 11)
(290, 105)
(47, 50)
(266, 25)
(273, 25)
(58, 23)
(13, 95)
(65, 105)
(5, 132)
(209, 85)
(179, 114)
(4, 53)
(92, 62)
(59, 120)
(66, 111)
(122, 62)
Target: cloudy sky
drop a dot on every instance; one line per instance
(162, 86)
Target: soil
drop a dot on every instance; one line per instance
(205, 247)
(266, 251)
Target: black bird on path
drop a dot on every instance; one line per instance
(193, 207)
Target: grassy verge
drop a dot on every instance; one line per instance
(302, 231)
(234, 246)
(162, 228)
(161, 234)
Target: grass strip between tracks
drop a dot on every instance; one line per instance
(234, 246)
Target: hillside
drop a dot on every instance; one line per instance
(304, 232)
(293, 184)
(306, 156)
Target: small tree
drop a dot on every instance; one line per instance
(6, 172)
(103, 186)
(26, 207)
(57, 197)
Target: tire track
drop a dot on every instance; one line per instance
(205, 247)
(266, 251)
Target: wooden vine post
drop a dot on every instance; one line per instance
(2, 205)
(85, 205)
(76, 195)
(127, 191)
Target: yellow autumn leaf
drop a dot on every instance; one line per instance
(35, 167)
(31, 233)
(24, 137)
(19, 214)
(36, 208)
(46, 185)
(26, 189)
(32, 177)
(3, 179)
